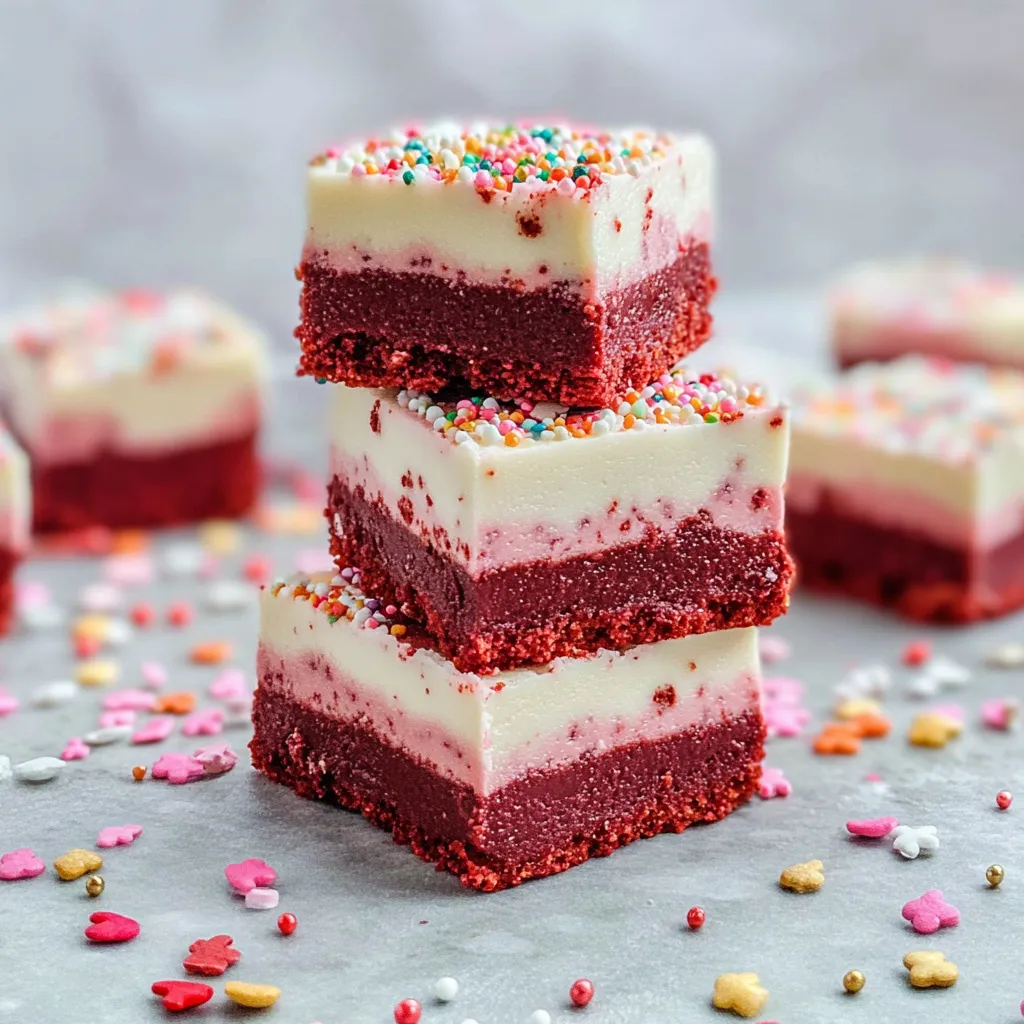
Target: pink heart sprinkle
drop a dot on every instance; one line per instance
(216, 758)
(129, 700)
(155, 730)
(1000, 713)
(112, 718)
(110, 927)
(250, 874)
(19, 864)
(872, 828)
(118, 835)
(230, 683)
(178, 769)
(930, 913)
(75, 750)
(154, 675)
(204, 723)
(773, 783)
(8, 702)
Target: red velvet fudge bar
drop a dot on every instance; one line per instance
(881, 311)
(554, 262)
(14, 521)
(518, 532)
(136, 409)
(906, 488)
(512, 776)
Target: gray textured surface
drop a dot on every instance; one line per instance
(377, 925)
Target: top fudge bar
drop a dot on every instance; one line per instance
(931, 307)
(519, 532)
(135, 408)
(552, 262)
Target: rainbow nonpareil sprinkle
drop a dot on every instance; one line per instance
(499, 158)
(341, 597)
(676, 398)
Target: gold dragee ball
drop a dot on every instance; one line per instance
(853, 981)
(94, 885)
(994, 874)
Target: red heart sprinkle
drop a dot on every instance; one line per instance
(182, 995)
(110, 927)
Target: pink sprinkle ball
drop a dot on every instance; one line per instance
(1003, 799)
(581, 992)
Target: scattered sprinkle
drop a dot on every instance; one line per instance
(94, 886)
(1003, 799)
(287, 923)
(20, 864)
(211, 957)
(250, 873)
(155, 730)
(257, 997)
(933, 730)
(853, 982)
(98, 672)
(118, 835)
(695, 918)
(994, 875)
(38, 769)
(743, 994)
(408, 1011)
(108, 734)
(806, 877)
(773, 783)
(930, 969)
(182, 995)
(76, 749)
(178, 769)
(930, 912)
(76, 863)
(216, 758)
(1009, 655)
(872, 828)
(445, 989)
(110, 927)
(1000, 713)
(581, 992)
(910, 841)
(259, 898)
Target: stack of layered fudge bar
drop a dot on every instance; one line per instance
(553, 542)
(135, 408)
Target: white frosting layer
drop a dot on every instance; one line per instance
(86, 376)
(941, 307)
(616, 233)
(492, 506)
(487, 730)
(916, 445)
(15, 495)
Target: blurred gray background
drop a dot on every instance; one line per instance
(162, 141)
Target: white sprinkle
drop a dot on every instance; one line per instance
(99, 597)
(947, 671)
(182, 560)
(229, 595)
(40, 616)
(260, 898)
(52, 695)
(107, 735)
(1009, 655)
(446, 989)
(540, 1017)
(5, 768)
(599, 428)
(39, 769)
(118, 632)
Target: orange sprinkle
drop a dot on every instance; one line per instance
(211, 653)
(180, 703)
(511, 440)
(558, 174)
(129, 542)
(838, 738)
(872, 726)
(628, 420)
(139, 772)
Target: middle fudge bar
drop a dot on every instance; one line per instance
(563, 264)
(907, 488)
(508, 777)
(518, 532)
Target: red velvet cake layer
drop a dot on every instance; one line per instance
(700, 579)
(540, 824)
(215, 481)
(378, 328)
(8, 563)
(918, 577)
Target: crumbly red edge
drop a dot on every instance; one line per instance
(186, 485)
(911, 574)
(377, 328)
(700, 579)
(700, 775)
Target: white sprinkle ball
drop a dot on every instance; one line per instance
(540, 1017)
(446, 989)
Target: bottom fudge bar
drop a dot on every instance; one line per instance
(906, 488)
(934, 307)
(511, 776)
(14, 521)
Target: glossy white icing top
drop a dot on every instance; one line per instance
(487, 505)
(487, 730)
(942, 307)
(531, 232)
(134, 371)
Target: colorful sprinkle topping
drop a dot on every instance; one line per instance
(341, 597)
(676, 398)
(920, 405)
(86, 333)
(499, 158)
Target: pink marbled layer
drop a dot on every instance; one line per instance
(660, 245)
(731, 506)
(328, 689)
(908, 510)
(80, 438)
